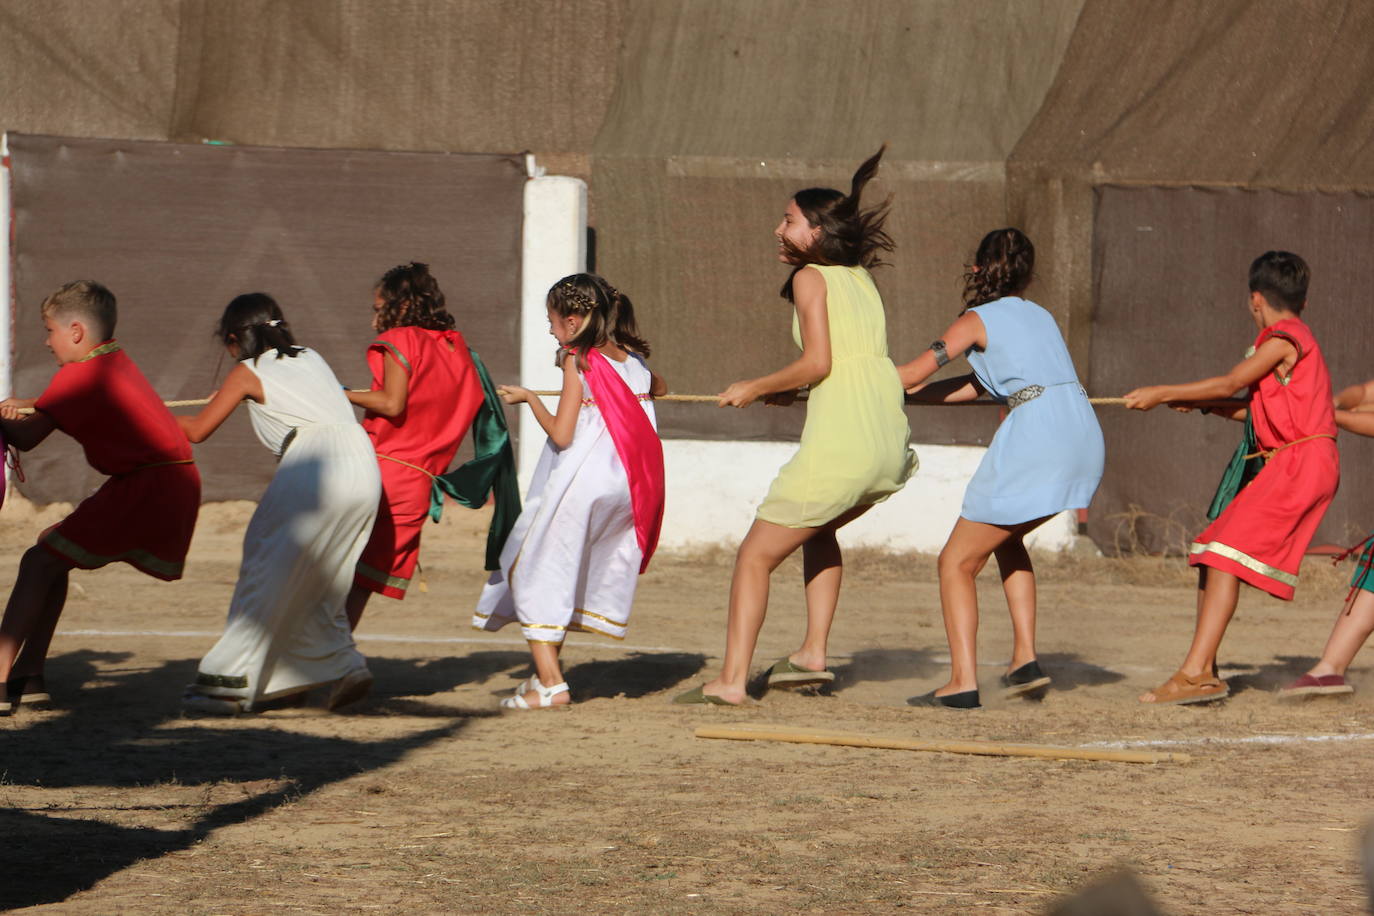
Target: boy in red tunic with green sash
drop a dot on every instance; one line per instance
(142, 515)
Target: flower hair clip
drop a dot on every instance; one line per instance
(275, 322)
(578, 300)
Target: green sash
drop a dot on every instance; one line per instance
(1239, 472)
(491, 472)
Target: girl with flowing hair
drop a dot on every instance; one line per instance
(853, 450)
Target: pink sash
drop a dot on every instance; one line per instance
(637, 444)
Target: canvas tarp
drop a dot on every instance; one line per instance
(1172, 267)
(177, 230)
(724, 109)
(1179, 141)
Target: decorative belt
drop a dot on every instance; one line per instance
(1267, 453)
(591, 402)
(1031, 392)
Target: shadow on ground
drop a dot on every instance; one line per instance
(111, 733)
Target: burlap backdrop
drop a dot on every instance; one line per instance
(695, 119)
(722, 110)
(177, 230)
(1171, 268)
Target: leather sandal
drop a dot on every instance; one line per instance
(1181, 690)
(545, 695)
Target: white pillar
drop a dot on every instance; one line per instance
(554, 245)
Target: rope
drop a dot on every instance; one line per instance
(713, 399)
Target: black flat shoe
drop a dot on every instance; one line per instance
(966, 699)
(1025, 680)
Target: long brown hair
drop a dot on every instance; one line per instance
(1002, 267)
(849, 236)
(411, 298)
(608, 316)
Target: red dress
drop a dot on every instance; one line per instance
(1262, 535)
(442, 396)
(145, 513)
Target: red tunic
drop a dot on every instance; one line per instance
(442, 396)
(1261, 536)
(145, 513)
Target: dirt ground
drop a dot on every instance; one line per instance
(424, 799)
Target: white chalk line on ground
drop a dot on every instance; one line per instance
(515, 641)
(1252, 739)
(508, 641)
(376, 637)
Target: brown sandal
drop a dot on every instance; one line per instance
(1181, 689)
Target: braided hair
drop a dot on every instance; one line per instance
(608, 316)
(1001, 267)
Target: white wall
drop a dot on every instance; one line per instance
(715, 487)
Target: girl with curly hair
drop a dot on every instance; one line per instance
(425, 393)
(1047, 455)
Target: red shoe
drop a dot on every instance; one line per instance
(1311, 685)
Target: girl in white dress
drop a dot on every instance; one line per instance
(287, 631)
(591, 518)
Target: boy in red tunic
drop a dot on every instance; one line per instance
(1261, 536)
(143, 515)
(425, 393)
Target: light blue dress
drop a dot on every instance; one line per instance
(1047, 455)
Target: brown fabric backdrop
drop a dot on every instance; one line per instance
(717, 120)
(176, 231)
(1171, 269)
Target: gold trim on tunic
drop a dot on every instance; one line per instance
(1244, 559)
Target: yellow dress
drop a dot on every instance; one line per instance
(855, 444)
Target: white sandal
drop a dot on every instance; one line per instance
(546, 695)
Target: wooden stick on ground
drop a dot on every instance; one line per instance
(806, 735)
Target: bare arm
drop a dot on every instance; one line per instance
(946, 391)
(965, 333)
(390, 399)
(561, 426)
(657, 386)
(1270, 354)
(1361, 422)
(24, 431)
(1356, 396)
(808, 292)
(239, 384)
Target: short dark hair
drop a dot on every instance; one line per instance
(1281, 277)
(87, 301)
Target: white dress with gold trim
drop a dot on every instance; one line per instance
(572, 559)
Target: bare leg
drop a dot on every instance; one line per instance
(1220, 591)
(823, 571)
(40, 591)
(29, 664)
(355, 604)
(549, 672)
(1347, 637)
(1018, 584)
(763, 548)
